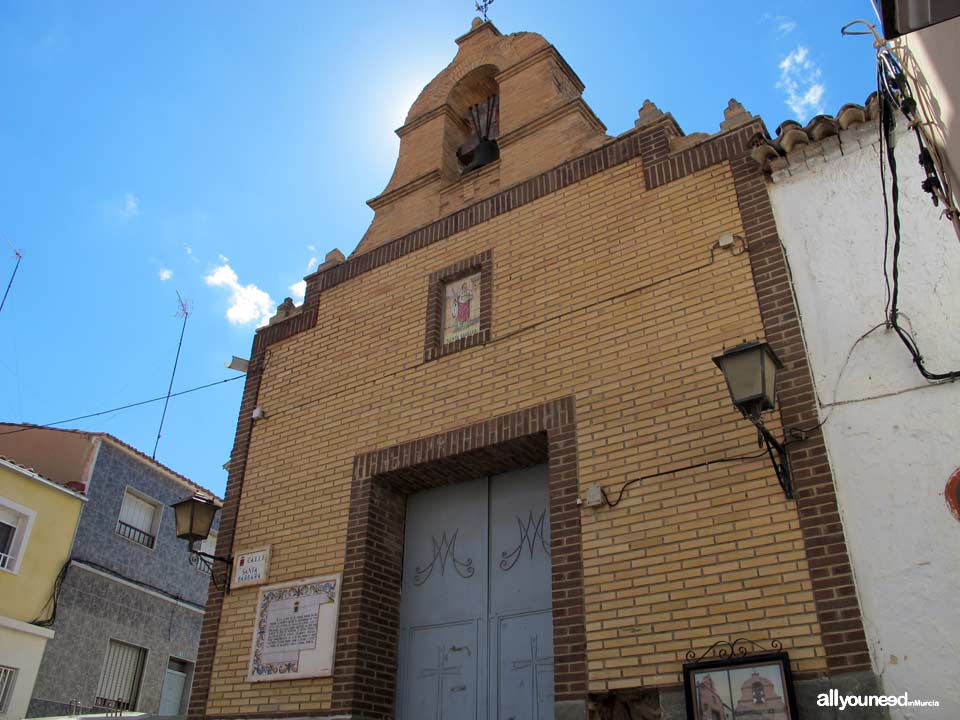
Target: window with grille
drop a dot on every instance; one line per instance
(122, 673)
(16, 522)
(8, 676)
(139, 519)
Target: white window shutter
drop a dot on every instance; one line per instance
(137, 513)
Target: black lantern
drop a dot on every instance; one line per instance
(194, 519)
(750, 370)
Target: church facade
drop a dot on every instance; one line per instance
(448, 423)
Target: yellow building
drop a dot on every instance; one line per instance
(38, 519)
(490, 458)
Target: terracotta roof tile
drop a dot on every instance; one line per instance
(791, 137)
(75, 486)
(125, 446)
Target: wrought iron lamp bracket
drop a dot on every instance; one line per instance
(781, 464)
(200, 558)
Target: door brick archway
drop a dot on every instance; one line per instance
(366, 660)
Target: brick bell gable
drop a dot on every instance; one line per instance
(543, 121)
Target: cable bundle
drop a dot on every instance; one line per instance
(896, 94)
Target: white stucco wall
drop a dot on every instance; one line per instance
(893, 439)
(21, 647)
(931, 57)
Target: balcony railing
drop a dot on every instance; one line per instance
(136, 534)
(118, 705)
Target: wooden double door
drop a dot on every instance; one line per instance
(476, 636)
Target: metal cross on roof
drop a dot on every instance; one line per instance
(482, 8)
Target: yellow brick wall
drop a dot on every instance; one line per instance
(601, 290)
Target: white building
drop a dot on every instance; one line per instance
(930, 57)
(893, 438)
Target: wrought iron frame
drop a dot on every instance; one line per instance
(199, 558)
(728, 649)
(729, 654)
(135, 534)
(781, 468)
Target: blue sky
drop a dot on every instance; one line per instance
(222, 149)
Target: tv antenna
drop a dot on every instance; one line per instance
(19, 255)
(184, 308)
(482, 8)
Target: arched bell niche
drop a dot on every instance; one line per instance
(471, 143)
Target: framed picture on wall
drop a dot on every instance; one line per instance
(740, 687)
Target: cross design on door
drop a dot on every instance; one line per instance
(442, 550)
(534, 663)
(530, 531)
(442, 671)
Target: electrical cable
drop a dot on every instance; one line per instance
(122, 407)
(893, 82)
(799, 434)
(886, 220)
(53, 600)
(708, 463)
(153, 588)
(890, 85)
(895, 93)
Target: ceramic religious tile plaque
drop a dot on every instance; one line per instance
(461, 308)
(295, 632)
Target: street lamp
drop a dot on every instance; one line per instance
(194, 517)
(750, 370)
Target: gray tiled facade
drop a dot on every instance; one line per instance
(119, 589)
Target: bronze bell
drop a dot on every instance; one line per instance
(483, 154)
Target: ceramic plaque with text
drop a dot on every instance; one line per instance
(295, 632)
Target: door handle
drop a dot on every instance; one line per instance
(459, 648)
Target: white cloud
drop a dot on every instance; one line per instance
(224, 259)
(800, 79)
(786, 25)
(311, 248)
(298, 290)
(165, 274)
(311, 263)
(248, 303)
(131, 205)
(120, 210)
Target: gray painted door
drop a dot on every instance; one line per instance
(171, 698)
(476, 639)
